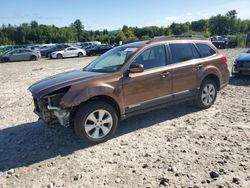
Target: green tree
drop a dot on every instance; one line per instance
(179, 29)
(219, 25)
(79, 28)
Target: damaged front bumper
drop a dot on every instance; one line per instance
(49, 110)
(241, 68)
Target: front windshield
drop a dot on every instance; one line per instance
(111, 61)
(48, 47)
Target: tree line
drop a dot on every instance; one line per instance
(34, 33)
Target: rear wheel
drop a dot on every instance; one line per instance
(33, 58)
(80, 54)
(59, 56)
(207, 94)
(95, 122)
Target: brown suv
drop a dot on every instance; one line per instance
(129, 80)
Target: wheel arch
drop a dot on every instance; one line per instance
(104, 98)
(33, 56)
(213, 77)
(59, 54)
(109, 100)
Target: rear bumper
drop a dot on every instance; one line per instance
(222, 86)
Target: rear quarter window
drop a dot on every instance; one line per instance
(183, 52)
(205, 50)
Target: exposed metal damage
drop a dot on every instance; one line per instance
(48, 108)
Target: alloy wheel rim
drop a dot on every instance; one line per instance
(98, 124)
(208, 94)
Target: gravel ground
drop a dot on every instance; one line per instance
(179, 146)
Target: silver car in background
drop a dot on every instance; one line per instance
(20, 54)
(68, 52)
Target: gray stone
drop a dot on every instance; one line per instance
(11, 171)
(214, 174)
(51, 185)
(236, 180)
(117, 180)
(164, 181)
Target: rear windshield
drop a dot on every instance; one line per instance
(205, 50)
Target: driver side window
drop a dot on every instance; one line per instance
(152, 57)
(15, 52)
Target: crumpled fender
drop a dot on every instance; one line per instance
(70, 100)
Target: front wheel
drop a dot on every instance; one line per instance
(207, 94)
(80, 54)
(6, 59)
(59, 56)
(95, 122)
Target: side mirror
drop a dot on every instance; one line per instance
(136, 68)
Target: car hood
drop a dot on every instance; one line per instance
(59, 81)
(243, 57)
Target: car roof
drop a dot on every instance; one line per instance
(138, 44)
(160, 40)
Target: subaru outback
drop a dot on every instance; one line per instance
(129, 80)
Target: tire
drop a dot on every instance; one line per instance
(48, 55)
(6, 59)
(33, 58)
(207, 94)
(59, 56)
(89, 114)
(80, 54)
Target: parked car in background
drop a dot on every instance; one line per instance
(46, 52)
(129, 80)
(220, 42)
(242, 64)
(46, 46)
(8, 48)
(86, 45)
(97, 50)
(34, 47)
(21, 54)
(68, 52)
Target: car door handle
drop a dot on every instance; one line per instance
(198, 67)
(165, 74)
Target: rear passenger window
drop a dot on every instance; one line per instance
(183, 52)
(205, 50)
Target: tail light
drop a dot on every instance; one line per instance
(223, 59)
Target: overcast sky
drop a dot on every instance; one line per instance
(112, 14)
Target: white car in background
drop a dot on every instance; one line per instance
(68, 52)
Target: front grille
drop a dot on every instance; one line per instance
(244, 64)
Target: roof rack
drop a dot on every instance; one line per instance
(174, 37)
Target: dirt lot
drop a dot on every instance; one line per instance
(178, 146)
